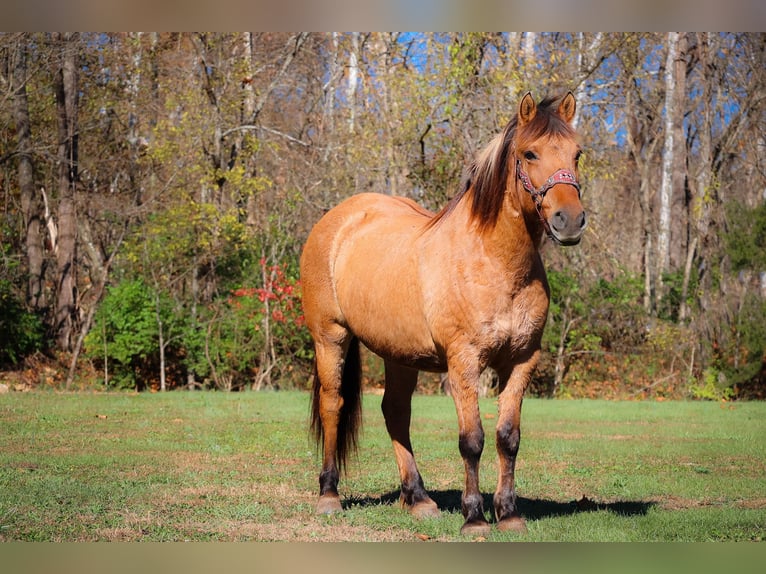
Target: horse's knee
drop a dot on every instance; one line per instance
(471, 444)
(508, 439)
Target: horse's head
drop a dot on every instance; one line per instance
(546, 155)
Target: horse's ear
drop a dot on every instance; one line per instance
(527, 109)
(567, 107)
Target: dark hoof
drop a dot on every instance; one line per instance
(475, 528)
(512, 524)
(329, 504)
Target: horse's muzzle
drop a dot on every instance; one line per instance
(567, 228)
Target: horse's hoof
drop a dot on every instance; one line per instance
(512, 524)
(475, 528)
(424, 509)
(329, 504)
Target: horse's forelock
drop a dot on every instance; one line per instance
(546, 122)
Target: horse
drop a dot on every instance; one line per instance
(455, 291)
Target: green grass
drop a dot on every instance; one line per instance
(212, 466)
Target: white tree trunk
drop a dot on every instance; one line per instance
(528, 47)
(353, 80)
(585, 55)
(161, 339)
(666, 186)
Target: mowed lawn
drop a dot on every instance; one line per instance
(213, 466)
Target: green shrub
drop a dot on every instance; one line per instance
(587, 318)
(21, 332)
(712, 387)
(125, 333)
(745, 238)
(739, 352)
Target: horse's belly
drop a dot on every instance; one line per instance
(388, 318)
(420, 359)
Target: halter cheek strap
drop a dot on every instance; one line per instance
(538, 194)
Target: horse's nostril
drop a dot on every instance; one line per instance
(559, 221)
(581, 221)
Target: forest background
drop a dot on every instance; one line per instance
(156, 189)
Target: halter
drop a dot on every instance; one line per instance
(538, 194)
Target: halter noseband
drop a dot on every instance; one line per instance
(538, 194)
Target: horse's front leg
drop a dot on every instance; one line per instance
(464, 383)
(513, 380)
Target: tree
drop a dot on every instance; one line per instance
(31, 205)
(642, 123)
(673, 150)
(67, 97)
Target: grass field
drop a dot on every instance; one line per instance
(229, 467)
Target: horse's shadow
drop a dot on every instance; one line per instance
(530, 508)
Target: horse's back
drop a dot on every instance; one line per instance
(378, 205)
(365, 214)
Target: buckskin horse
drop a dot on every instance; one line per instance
(457, 291)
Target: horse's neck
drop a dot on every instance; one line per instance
(514, 240)
(519, 231)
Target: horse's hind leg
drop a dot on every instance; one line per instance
(330, 356)
(397, 408)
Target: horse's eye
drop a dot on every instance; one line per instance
(577, 157)
(530, 155)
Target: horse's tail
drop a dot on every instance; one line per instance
(350, 419)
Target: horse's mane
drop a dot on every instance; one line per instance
(486, 178)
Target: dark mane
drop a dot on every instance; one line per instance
(486, 179)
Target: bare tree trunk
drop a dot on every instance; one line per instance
(512, 64)
(388, 104)
(679, 142)
(666, 186)
(673, 160)
(643, 152)
(66, 258)
(248, 114)
(161, 339)
(584, 66)
(699, 207)
(99, 293)
(268, 358)
(683, 311)
(328, 88)
(562, 360)
(528, 48)
(353, 80)
(30, 201)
